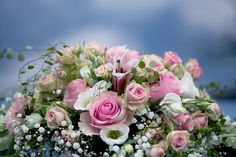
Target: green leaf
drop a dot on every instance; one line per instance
(222, 121)
(48, 62)
(51, 49)
(30, 67)
(133, 70)
(108, 85)
(142, 64)
(24, 83)
(139, 79)
(156, 74)
(151, 79)
(1, 55)
(152, 64)
(59, 53)
(9, 54)
(21, 57)
(214, 85)
(22, 72)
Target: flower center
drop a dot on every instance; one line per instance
(114, 134)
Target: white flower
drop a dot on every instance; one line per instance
(33, 119)
(85, 98)
(24, 128)
(84, 72)
(194, 155)
(113, 136)
(188, 87)
(174, 103)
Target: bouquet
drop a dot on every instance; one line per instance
(95, 100)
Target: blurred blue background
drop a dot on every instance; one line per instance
(202, 29)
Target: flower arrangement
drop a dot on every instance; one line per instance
(95, 100)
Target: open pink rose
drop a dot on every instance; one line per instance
(55, 115)
(107, 111)
(178, 140)
(47, 83)
(184, 121)
(73, 90)
(136, 96)
(213, 111)
(194, 68)
(69, 55)
(171, 58)
(200, 120)
(168, 83)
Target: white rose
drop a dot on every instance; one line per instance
(188, 87)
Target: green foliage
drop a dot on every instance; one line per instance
(48, 62)
(21, 57)
(152, 64)
(9, 54)
(30, 67)
(142, 64)
(59, 53)
(151, 79)
(134, 70)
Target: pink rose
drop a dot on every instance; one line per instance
(136, 96)
(73, 90)
(200, 120)
(127, 58)
(9, 123)
(158, 150)
(103, 70)
(69, 55)
(184, 121)
(94, 47)
(171, 58)
(47, 83)
(55, 115)
(168, 83)
(213, 111)
(194, 68)
(107, 111)
(178, 140)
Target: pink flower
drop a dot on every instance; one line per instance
(55, 115)
(9, 123)
(127, 58)
(184, 121)
(171, 58)
(136, 96)
(47, 83)
(103, 70)
(178, 140)
(94, 47)
(119, 81)
(200, 120)
(168, 83)
(69, 55)
(73, 90)
(107, 110)
(158, 150)
(213, 111)
(194, 68)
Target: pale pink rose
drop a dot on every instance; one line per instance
(200, 120)
(69, 55)
(127, 58)
(47, 83)
(178, 140)
(168, 83)
(157, 152)
(184, 121)
(94, 47)
(136, 96)
(9, 123)
(103, 70)
(171, 58)
(194, 68)
(213, 111)
(55, 115)
(159, 67)
(73, 90)
(107, 111)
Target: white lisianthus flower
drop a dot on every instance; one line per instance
(84, 99)
(188, 87)
(32, 119)
(174, 103)
(113, 136)
(84, 72)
